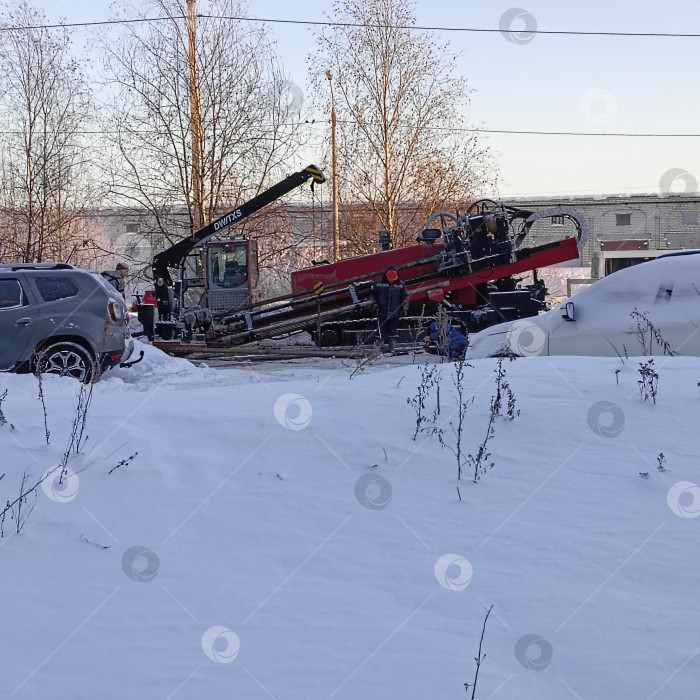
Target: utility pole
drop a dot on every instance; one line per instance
(195, 122)
(336, 228)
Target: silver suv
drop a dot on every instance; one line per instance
(60, 319)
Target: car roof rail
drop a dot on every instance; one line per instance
(37, 266)
(678, 253)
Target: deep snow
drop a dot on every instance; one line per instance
(279, 534)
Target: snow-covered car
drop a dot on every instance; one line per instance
(649, 309)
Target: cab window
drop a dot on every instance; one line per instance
(228, 267)
(194, 269)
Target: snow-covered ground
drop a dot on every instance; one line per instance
(279, 534)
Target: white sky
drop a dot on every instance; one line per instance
(552, 83)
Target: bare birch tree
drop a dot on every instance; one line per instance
(44, 160)
(246, 129)
(403, 150)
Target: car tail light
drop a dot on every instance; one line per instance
(116, 312)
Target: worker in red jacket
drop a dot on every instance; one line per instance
(390, 297)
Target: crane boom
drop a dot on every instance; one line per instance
(173, 257)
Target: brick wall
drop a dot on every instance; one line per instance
(659, 220)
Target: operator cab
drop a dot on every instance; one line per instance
(232, 274)
(220, 275)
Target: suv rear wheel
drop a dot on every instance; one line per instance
(67, 360)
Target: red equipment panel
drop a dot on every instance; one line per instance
(368, 267)
(415, 262)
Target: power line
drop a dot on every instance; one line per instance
(581, 133)
(429, 128)
(318, 23)
(527, 32)
(66, 25)
(546, 133)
